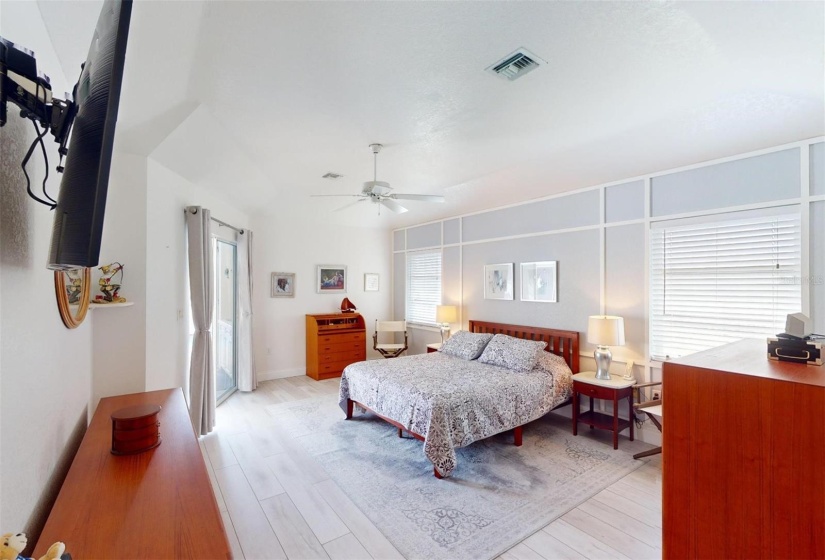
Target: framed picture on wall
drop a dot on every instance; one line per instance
(371, 282)
(331, 279)
(538, 281)
(283, 284)
(498, 281)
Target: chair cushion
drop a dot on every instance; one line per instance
(655, 410)
(465, 345)
(512, 353)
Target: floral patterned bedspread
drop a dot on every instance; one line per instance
(453, 402)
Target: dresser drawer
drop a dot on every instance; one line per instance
(336, 347)
(334, 367)
(324, 339)
(348, 356)
(594, 391)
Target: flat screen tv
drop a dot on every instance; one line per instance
(81, 202)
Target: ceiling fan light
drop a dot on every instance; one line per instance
(371, 186)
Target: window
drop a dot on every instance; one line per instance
(714, 282)
(423, 286)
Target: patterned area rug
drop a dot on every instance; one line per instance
(498, 495)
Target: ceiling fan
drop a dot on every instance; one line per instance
(380, 192)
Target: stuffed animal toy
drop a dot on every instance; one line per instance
(12, 546)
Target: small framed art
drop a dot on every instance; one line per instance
(331, 279)
(538, 281)
(498, 281)
(371, 282)
(283, 284)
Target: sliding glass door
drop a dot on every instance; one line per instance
(225, 325)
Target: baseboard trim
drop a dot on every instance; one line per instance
(281, 374)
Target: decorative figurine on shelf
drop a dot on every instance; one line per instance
(12, 545)
(347, 306)
(110, 289)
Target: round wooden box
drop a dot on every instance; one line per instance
(135, 429)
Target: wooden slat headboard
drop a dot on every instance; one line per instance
(562, 343)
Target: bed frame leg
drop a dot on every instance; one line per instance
(399, 433)
(349, 409)
(517, 435)
(436, 473)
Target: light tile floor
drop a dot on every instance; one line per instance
(300, 513)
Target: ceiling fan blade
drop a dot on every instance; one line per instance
(320, 195)
(421, 197)
(393, 205)
(344, 207)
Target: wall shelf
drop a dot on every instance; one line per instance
(93, 305)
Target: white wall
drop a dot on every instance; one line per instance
(119, 360)
(168, 318)
(287, 243)
(45, 369)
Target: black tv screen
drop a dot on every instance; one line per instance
(81, 202)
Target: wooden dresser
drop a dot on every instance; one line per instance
(156, 504)
(334, 341)
(743, 456)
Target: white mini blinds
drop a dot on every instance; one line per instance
(423, 286)
(722, 278)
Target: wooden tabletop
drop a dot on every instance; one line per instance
(615, 382)
(156, 504)
(750, 357)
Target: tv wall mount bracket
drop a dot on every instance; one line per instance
(23, 85)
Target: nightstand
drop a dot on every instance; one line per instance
(616, 388)
(433, 347)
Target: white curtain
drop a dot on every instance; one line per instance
(247, 376)
(202, 296)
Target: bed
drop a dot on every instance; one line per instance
(450, 402)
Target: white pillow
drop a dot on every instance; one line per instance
(512, 353)
(465, 345)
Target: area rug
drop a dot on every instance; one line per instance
(498, 495)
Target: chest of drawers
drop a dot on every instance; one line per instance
(156, 504)
(333, 342)
(742, 452)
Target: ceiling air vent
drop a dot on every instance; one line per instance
(331, 175)
(515, 65)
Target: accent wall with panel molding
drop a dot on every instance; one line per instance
(599, 236)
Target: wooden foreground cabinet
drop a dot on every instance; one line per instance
(743, 456)
(334, 341)
(156, 504)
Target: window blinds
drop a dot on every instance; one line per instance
(714, 283)
(423, 286)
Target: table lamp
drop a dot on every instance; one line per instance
(604, 331)
(445, 314)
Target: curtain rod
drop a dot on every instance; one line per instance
(221, 222)
(226, 225)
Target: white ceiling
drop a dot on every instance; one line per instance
(259, 99)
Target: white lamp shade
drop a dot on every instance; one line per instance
(605, 330)
(446, 314)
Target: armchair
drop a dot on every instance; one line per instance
(389, 349)
(653, 409)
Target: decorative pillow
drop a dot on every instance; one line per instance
(512, 353)
(465, 345)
